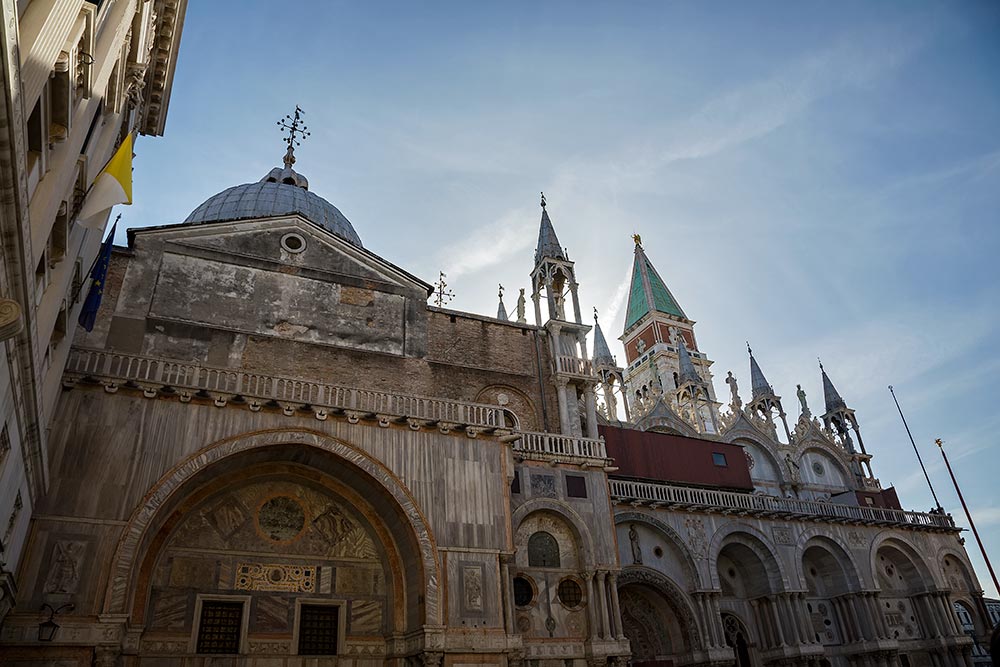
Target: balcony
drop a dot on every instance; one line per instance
(555, 447)
(223, 384)
(569, 365)
(728, 502)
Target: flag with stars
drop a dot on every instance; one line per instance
(97, 275)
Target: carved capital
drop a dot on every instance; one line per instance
(11, 321)
(432, 658)
(107, 656)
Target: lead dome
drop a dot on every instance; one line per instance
(281, 192)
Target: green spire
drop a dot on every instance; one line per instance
(648, 292)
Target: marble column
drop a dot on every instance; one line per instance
(507, 599)
(565, 426)
(616, 611)
(602, 588)
(588, 577)
(591, 415)
(757, 612)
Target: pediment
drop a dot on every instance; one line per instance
(743, 427)
(660, 416)
(259, 244)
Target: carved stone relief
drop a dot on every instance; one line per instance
(65, 567)
(543, 486)
(696, 537)
(782, 535)
(276, 577)
(472, 588)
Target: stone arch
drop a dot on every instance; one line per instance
(902, 544)
(736, 532)
(757, 445)
(134, 547)
(519, 407)
(961, 567)
(820, 537)
(577, 525)
(675, 597)
(829, 455)
(687, 560)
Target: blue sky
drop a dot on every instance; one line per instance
(820, 178)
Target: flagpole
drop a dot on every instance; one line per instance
(79, 290)
(968, 515)
(915, 450)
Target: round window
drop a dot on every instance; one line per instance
(293, 243)
(818, 468)
(524, 592)
(570, 593)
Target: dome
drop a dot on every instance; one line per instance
(272, 197)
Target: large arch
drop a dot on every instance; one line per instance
(736, 532)
(577, 525)
(641, 576)
(682, 550)
(308, 450)
(821, 537)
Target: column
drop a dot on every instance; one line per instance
(927, 615)
(776, 621)
(855, 621)
(603, 596)
(616, 612)
(507, 599)
(588, 577)
(846, 629)
(591, 415)
(565, 427)
(883, 629)
(757, 611)
(948, 609)
(804, 618)
(792, 629)
(865, 624)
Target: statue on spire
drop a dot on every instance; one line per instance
(637, 239)
(294, 125)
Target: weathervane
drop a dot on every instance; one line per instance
(442, 294)
(295, 126)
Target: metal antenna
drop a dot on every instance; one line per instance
(294, 125)
(915, 451)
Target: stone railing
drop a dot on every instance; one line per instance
(729, 502)
(574, 365)
(153, 375)
(553, 445)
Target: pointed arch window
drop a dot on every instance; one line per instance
(543, 550)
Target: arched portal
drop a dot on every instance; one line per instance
(737, 638)
(656, 618)
(825, 566)
(283, 532)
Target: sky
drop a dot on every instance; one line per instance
(820, 179)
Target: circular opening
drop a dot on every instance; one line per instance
(293, 243)
(658, 552)
(524, 592)
(570, 593)
(818, 468)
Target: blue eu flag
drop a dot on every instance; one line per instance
(97, 275)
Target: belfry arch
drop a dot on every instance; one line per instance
(369, 501)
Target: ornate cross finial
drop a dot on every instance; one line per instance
(595, 314)
(543, 200)
(637, 239)
(500, 292)
(295, 126)
(749, 351)
(442, 294)
(820, 363)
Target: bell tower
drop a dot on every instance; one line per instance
(554, 280)
(658, 337)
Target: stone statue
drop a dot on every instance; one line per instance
(520, 307)
(64, 573)
(633, 537)
(560, 302)
(802, 400)
(736, 402)
(793, 468)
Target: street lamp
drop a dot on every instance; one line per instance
(47, 628)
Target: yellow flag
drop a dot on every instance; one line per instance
(112, 186)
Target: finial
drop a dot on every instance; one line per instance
(820, 363)
(749, 351)
(637, 239)
(295, 126)
(500, 293)
(595, 314)
(442, 294)
(939, 442)
(543, 200)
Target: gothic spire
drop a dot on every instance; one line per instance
(602, 353)
(501, 309)
(648, 292)
(548, 242)
(687, 370)
(830, 393)
(759, 385)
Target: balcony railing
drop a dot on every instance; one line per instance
(555, 446)
(574, 365)
(728, 502)
(162, 373)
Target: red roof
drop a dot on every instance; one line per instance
(676, 459)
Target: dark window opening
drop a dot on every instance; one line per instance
(515, 484)
(318, 629)
(719, 459)
(543, 550)
(570, 593)
(576, 486)
(524, 592)
(219, 630)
